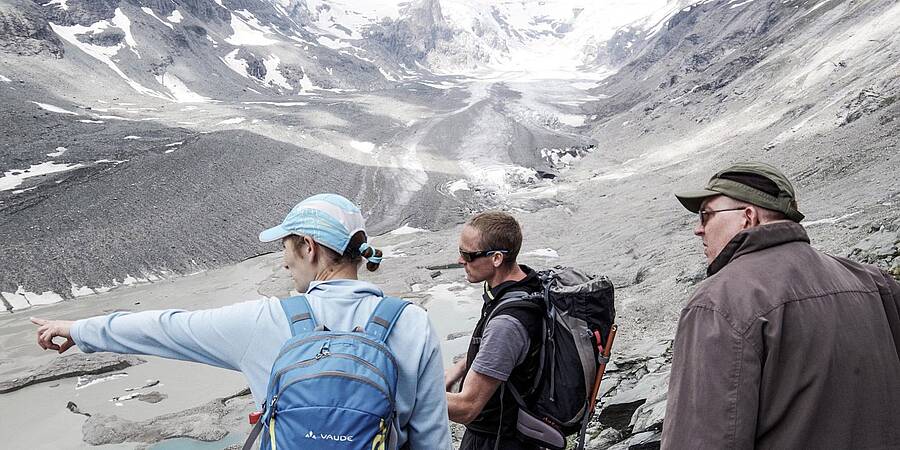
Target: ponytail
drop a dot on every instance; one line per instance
(372, 255)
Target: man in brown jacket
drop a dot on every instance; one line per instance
(782, 346)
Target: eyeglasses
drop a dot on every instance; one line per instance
(471, 256)
(704, 214)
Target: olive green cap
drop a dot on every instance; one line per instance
(747, 181)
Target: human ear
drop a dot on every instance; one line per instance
(751, 217)
(497, 259)
(310, 247)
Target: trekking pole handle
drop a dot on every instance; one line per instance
(602, 369)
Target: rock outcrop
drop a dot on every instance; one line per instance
(74, 365)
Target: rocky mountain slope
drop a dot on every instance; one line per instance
(810, 87)
(136, 127)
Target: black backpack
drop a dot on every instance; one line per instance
(578, 314)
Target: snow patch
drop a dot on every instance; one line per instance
(543, 253)
(503, 178)
(406, 229)
(131, 138)
(386, 75)
(59, 151)
(180, 92)
(121, 21)
(333, 44)
(238, 65)
(91, 121)
(829, 220)
(277, 103)
(84, 382)
(4, 79)
(572, 120)
(62, 4)
(13, 178)
(81, 291)
(273, 76)
(175, 17)
(584, 85)
(150, 12)
(306, 84)
(233, 121)
(22, 299)
(563, 157)
(250, 32)
(365, 147)
(55, 109)
(101, 53)
(393, 251)
(458, 185)
(617, 175)
(437, 85)
(739, 4)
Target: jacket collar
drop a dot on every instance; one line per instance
(756, 239)
(351, 289)
(491, 294)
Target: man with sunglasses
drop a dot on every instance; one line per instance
(503, 349)
(782, 346)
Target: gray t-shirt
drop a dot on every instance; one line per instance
(504, 345)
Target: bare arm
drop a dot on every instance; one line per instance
(465, 406)
(454, 373)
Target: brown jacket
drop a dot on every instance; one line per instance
(786, 347)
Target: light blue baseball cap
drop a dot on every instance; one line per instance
(329, 219)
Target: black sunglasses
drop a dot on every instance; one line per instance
(471, 256)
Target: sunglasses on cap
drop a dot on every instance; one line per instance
(471, 256)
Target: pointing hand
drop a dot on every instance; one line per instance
(49, 329)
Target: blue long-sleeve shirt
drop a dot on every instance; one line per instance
(248, 336)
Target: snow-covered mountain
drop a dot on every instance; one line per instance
(171, 49)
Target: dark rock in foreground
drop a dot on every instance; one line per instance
(72, 366)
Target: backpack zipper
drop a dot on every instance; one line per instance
(334, 374)
(321, 355)
(356, 337)
(324, 351)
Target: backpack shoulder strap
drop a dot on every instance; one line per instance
(384, 317)
(299, 314)
(514, 299)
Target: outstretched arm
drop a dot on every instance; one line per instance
(218, 337)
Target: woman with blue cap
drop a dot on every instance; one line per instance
(324, 243)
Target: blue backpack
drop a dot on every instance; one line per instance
(330, 389)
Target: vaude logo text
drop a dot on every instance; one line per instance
(330, 437)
